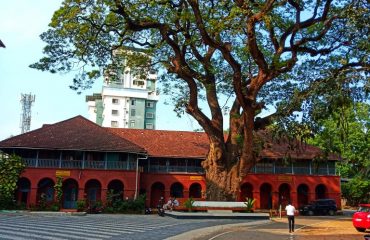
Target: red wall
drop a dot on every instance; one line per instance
(146, 180)
(331, 183)
(186, 179)
(82, 176)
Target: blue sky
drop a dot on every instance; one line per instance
(21, 23)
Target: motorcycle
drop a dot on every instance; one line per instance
(160, 210)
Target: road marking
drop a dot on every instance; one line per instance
(249, 227)
(218, 235)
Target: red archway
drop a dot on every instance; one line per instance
(22, 192)
(157, 191)
(93, 191)
(70, 193)
(320, 191)
(195, 190)
(246, 191)
(302, 192)
(284, 194)
(265, 196)
(45, 188)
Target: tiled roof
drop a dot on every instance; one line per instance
(79, 133)
(161, 143)
(181, 144)
(296, 150)
(76, 133)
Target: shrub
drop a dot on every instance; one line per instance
(81, 205)
(189, 204)
(249, 203)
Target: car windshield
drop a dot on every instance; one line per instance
(364, 209)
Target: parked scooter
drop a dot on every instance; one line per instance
(160, 208)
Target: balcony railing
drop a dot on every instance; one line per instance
(295, 170)
(78, 164)
(166, 169)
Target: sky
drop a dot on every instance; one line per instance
(21, 23)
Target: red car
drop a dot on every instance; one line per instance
(361, 218)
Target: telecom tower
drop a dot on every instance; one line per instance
(26, 101)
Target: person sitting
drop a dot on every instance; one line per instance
(168, 205)
(175, 202)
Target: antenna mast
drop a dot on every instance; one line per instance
(26, 101)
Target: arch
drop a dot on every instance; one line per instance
(321, 191)
(195, 190)
(45, 187)
(284, 194)
(302, 194)
(177, 190)
(246, 191)
(265, 196)
(70, 193)
(93, 191)
(157, 191)
(117, 188)
(23, 191)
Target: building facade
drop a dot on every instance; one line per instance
(127, 100)
(93, 160)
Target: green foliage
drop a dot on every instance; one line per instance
(58, 187)
(296, 59)
(249, 204)
(189, 204)
(356, 191)
(81, 205)
(346, 132)
(126, 206)
(11, 166)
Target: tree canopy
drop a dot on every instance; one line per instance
(11, 167)
(286, 55)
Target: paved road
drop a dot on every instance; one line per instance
(307, 228)
(100, 226)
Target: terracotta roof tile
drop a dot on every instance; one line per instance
(182, 144)
(162, 143)
(76, 133)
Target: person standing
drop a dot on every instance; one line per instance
(290, 210)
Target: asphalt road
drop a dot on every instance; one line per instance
(306, 228)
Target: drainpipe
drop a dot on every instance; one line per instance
(137, 174)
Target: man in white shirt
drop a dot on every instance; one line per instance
(290, 210)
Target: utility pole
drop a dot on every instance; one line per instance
(26, 101)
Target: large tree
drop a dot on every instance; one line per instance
(283, 55)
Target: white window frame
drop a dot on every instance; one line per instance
(149, 104)
(149, 115)
(114, 123)
(132, 123)
(149, 126)
(115, 112)
(115, 101)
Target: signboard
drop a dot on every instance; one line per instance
(285, 178)
(196, 178)
(61, 173)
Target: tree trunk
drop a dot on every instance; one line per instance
(228, 162)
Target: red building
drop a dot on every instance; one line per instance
(93, 160)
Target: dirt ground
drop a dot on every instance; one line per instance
(333, 229)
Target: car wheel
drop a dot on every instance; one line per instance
(310, 213)
(331, 212)
(361, 229)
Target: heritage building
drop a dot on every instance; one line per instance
(93, 160)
